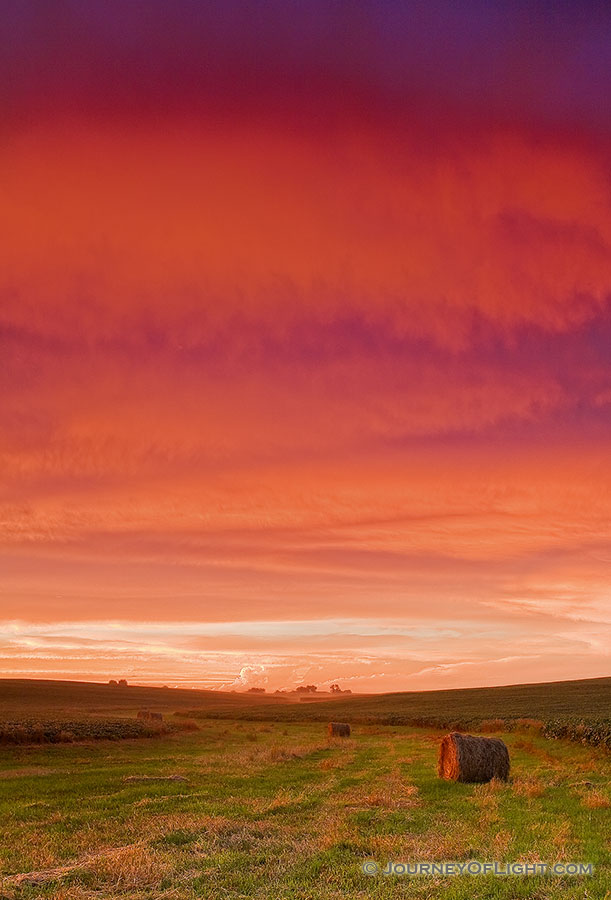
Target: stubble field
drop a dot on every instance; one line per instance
(275, 810)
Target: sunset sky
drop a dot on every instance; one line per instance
(305, 326)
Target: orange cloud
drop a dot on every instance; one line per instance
(114, 229)
(253, 375)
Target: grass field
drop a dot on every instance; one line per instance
(264, 805)
(274, 810)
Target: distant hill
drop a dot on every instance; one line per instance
(586, 698)
(21, 696)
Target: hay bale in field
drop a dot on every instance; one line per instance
(338, 729)
(463, 757)
(156, 717)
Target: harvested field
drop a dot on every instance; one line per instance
(291, 816)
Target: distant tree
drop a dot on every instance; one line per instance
(122, 682)
(306, 689)
(335, 689)
(113, 682)
(256, 690)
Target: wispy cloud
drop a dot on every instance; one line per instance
(305, 351)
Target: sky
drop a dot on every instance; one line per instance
(305, 331)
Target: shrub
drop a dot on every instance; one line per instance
(54, 732)
(596, 733)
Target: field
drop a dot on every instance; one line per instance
(577, 709)
(273, 809)
(592, 696)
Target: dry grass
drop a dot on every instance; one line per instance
(332, 762)
(393, 795)
(131, 867)
(492, 726)
(524, 744)
(488, 788)
(261, 756)
(528, 786)
(280, 753)
(75, 892)
(287, 816)
(439, 843)
(529, 725)
(153, 778)
(29, 772)
(210, 825)
(596, 798)
(283, 799)
(392, 790)
(186, 724)
(561, 838)
(501, 842)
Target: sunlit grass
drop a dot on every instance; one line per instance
(291, 814)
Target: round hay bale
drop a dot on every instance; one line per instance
(463, 757)
(338, 729)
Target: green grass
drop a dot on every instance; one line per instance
(274, 810)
